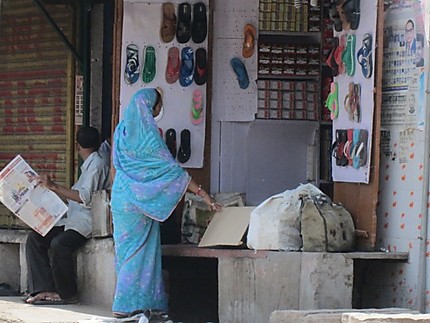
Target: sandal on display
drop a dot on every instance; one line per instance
(201, 70)
(351, 8)
(338, 53)
(199, 27)
(171, 141)
(173, 65)
(352, 102)
(249, 33)
(364, 56)
(339, 146)
(168, 23)
(330, 60)
(183, 27)
(342, 15)
(149, 68)
(241, 73)
(132, 70)
(197, 108)
(348, 55)
(332, 102)
(334, 16)
(348, 146)
(186, 71)
(184, 152)
(359, 151)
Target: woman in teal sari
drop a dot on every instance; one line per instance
(148, 185)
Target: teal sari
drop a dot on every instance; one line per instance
(147, 187)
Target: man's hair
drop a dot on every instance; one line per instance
(411, 22)
(88, 137)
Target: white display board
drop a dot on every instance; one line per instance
(141, 26)
(368, 18)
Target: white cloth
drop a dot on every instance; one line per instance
(94, 177)
(105, 150)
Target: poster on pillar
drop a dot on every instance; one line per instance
(164, 46)
(351, 98)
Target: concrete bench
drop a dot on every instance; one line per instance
(252, 284)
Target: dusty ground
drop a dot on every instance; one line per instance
(13, 310)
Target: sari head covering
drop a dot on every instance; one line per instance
(153, 181)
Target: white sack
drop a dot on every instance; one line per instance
(275, 223)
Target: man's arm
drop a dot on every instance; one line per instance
(65, 192)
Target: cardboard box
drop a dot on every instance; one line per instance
(228, 227)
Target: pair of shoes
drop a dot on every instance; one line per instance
(348, 55)
(364, 56)
(48, 298)
(195, 28)
(352, 102)
(184, 152)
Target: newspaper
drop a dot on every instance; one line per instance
(35, 205)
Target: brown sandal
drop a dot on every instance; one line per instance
(168, 24)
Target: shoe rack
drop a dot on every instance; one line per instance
(293, 39)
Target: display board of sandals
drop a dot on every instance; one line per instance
(165, 47)
(350, 99)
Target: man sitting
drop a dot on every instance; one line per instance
(55, 282)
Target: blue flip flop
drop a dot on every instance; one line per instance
(241, 73)
(186, 71)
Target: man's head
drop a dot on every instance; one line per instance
(88, 138)
(409, 31)
(158, 103)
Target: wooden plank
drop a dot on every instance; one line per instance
(361, 199)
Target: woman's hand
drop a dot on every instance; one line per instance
(210, 202)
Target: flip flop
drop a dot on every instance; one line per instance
(348, 55)
(149, 67)
(199, 28)
(171, 141)
(334, 16)
(173, 65)
(351, 8)
(352, 102)
(201, 71)
(342, 15)
(183, 27)
(197, 108)
(168, 22)
(187, 67)
(131, 73)
(364, 56)
(332, 102)
(338, 53)
(250, 33)
(184, 152)
(241, 73)
(330, 60)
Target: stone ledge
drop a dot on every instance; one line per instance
(332, 315)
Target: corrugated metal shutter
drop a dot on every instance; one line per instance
(34, 95)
